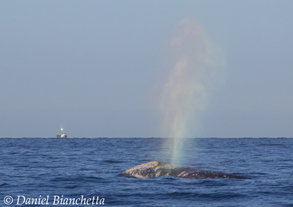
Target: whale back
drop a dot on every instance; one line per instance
(158, 169)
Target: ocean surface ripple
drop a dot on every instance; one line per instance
(75, 167)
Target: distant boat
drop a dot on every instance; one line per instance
(63, 134)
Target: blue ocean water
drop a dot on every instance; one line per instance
(75, 167)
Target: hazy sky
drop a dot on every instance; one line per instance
(93, 65)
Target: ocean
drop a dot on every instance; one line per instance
(87, 172)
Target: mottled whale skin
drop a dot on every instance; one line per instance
(158, 169)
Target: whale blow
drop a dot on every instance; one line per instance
(158, 169)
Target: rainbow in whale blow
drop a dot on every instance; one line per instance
(191, 68)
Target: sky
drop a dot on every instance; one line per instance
(95, 67)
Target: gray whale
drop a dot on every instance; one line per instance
(158, 169)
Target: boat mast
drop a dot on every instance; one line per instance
(61, 129)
